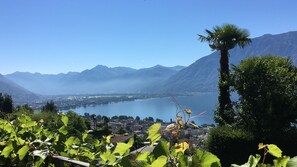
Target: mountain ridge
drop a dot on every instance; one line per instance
(202, 75)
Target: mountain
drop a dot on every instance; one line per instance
(202, 75)
(18, 93)
(100, 79)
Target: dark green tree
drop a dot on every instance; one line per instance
(50, 107)
(267, 87)
(6, 103)
(24, 109)
(223, 39)
(77, 124)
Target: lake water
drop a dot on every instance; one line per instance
(162, 108)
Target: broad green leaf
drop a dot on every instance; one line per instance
(23, 151)
(252, 162)
(24, 119)
(131, 142)
(143, 156)
(292, 162)
(206, 159)
(63, 130)
(7, 150)
(161, 149)
(8, 127)
(90, 155)
(153, 133)
(72, 140)
(28, 124)
(108, 157)
(281, 162)
(160, 161)
(84, 136)
(121, 148)
(64, 119)
(39, 162)
(73, 151)
(274, 150)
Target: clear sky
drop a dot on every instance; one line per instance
(53, 36)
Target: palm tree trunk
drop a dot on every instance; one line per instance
(224, 93)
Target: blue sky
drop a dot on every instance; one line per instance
(53, 36)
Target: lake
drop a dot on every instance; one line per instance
(162, 108)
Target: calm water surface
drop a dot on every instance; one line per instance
(163, 108)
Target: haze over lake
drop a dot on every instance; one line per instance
(162, 108)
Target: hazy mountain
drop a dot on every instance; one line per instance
(202, 75)
(100, 79)
(18, 93)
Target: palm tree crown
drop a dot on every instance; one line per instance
(226, 37)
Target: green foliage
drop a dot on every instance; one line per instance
(272, 149)
(25, 142)
(267, 87)
(227, 143)
(6, 103)
(24, 109)
(50, 107)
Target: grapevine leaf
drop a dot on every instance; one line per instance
(131, 142)
(274, 150)
(153, 133)
(28, 124)
(24, 119)
(39, 162)
(64, 119)
(292, 162)
(252, 162)
(143, 156)
(160, 161)
(23, 151)
(121, 148)
(108, 157)
(161, 149)
(63, 130)
(8, 127)
(206, 159)
(281, 162)
(84, 136)
(7, 150)
(89, 155)
(72, 140)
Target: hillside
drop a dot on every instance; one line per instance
(18, 93)
(202, 75)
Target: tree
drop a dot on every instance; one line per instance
(223, 39)
(24, 109)
(50, 107)
(6, 103)
(267, 87)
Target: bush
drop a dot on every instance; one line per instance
(231, 145)
(267, 89)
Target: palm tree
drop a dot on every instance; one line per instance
(223, 39)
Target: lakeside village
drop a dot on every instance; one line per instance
(122, 128)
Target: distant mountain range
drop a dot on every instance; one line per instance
(201, 76)
(100, 79)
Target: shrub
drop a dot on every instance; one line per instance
(231, 145)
